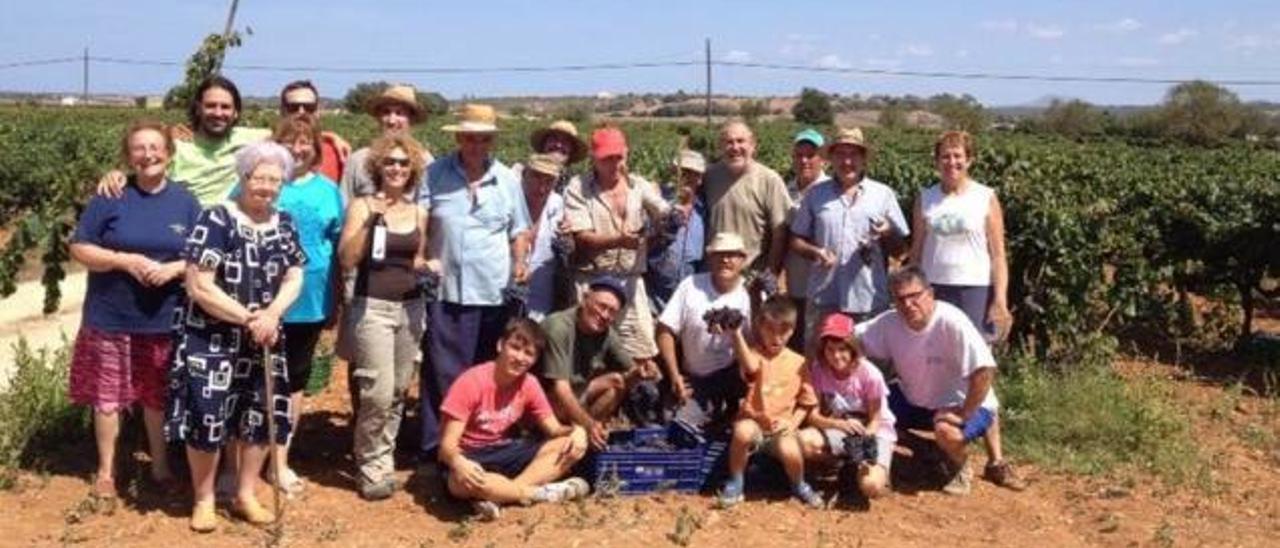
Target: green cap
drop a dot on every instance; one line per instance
(811, 135)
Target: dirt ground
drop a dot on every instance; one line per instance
(1241, 509)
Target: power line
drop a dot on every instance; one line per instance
(39, 62)
(414, 70)
(987, 75)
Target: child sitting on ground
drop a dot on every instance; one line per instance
(486, 459)
(853, 406)
(779, 398)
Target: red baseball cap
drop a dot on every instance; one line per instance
(836, 325)
(606, 142)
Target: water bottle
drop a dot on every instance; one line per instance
(378, 249)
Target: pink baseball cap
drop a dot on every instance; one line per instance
(836, 325)
(606, 142)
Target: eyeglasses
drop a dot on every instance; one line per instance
(309, 108)
(402, 162)
(904, 298)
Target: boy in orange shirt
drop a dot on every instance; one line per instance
(779, 398)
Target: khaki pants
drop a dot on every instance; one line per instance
(635, 320)
(385, 337)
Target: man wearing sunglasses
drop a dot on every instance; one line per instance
(946, 377)
(300, 98)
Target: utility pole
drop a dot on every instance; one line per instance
(84, 93)
(708, 86)
(231, 19)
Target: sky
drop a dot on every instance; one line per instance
(1216, 40)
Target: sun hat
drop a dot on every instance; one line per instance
(561, 126)
(692, 161)
(848, 136)
(610, 284)
(606, 142)
(727, 242)
(474, 118)
(401, 94)
(811, 136)
(546, 164)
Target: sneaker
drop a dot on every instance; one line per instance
(381, 490)
(1002, 474)
(290, 483)
(806, 495)
(961, 482)
(486, 510)
(560, 491)
(731, 493)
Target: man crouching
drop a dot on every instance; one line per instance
(488, 461)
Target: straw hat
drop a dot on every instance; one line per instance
(727, 242)
(848, 136)
(475, 118)
(692, 161)
(401, 94)
(561, 126)
(546, 164)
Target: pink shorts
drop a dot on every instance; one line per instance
(110, 371)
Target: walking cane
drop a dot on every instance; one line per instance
(272, 454)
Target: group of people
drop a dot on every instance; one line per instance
(535, 305)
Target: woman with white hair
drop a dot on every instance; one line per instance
(244, 270)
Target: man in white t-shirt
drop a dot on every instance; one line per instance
(945, 373)
(708, 384)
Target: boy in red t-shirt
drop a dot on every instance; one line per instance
(779, 398)
(487, 461)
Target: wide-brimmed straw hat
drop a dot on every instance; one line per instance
(546, 164)
(848, 136)
(400, 94)
(561, 126)
(475, 118)
(692, 161)
(727, 242)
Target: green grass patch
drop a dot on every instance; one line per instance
(36, 414)
(1086, 419)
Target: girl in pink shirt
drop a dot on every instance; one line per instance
(853, 407)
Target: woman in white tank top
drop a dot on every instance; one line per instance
(958, 230)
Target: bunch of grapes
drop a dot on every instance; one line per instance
(858, 449)
(516, 297)
(674, 222)
(726, 318)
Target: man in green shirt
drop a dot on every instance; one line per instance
(585, 365)
(206, 164)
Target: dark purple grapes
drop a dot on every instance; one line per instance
(726, 318)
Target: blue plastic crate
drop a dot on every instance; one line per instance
(628, 467)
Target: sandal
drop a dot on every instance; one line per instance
(252, 511)
(104, 488)
(204, 517)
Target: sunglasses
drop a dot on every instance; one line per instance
(309, 108)
(402, 162)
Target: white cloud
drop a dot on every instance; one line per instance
(1120, 26)
(1177, 37)
(799, 45)
(882, 63)
(1136, 62)
(917, 50)
(737, 56)
(831, 61)
(962, 54)
(1045, 32)
(999, 25)
(1251, 43)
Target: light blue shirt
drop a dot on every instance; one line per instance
(317, 208)
(472, 238)
(542, 261)
(831, 220)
